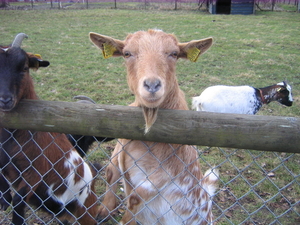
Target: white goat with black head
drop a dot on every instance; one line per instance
(241, 99)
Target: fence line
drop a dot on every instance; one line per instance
(255, 187)
(131, 4)
(268, 133)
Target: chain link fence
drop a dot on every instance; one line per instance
(255, 187)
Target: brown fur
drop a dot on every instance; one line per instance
(156, 174)
(34, 161)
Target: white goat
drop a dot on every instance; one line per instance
(241, 99)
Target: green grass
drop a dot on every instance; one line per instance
(257, 50)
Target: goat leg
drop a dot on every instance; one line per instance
(5, 196)
(109, 203)
(86, 213)
(19, 206)
(134, 202)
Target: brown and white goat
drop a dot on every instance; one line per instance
(163, 182)
(43, 168)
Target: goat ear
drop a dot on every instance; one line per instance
(193, 49)
(35, 61)
(109, 46)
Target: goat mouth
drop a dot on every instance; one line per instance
(7, 106)
(6, 109)
(152, 103)
(289, 104)
(152, 100)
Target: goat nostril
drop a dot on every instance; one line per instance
(152, 86)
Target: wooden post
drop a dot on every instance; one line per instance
(268, 133)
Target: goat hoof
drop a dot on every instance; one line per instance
(102, 219)
(105, 215)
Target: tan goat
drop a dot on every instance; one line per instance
(163, 182)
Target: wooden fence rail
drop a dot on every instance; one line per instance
(267, 133)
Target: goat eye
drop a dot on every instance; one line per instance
(174, 54)
(25, 69)
(284, 91)
(127, 54)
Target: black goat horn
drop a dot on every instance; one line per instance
(18, 40)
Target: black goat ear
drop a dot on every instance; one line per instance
(43, 63)
(35, 61)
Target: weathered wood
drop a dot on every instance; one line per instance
(268, 133)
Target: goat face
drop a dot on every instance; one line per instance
(150, 58)
(284, 94)
(14, 73)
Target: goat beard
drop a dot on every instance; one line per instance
(150, 116)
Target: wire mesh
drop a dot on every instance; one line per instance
(254, 187)
(133, 4)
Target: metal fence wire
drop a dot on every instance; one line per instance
(132, 4)
(255, 187)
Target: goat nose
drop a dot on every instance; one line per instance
(152, 86)
(5, 100)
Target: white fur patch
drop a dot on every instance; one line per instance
(288, 87)
(5, 49)
(213, 176)
(146, 184)
(227, 99)
(79, 190)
